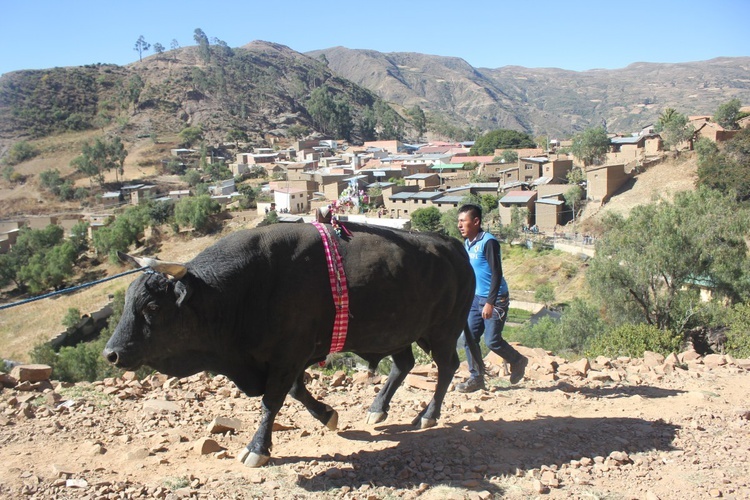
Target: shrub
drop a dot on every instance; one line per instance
(633, 340)
(72, 318)
(738, 335)
(20, 152)
(569, 336)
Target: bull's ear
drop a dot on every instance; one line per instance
(183, 291)
(171, 268)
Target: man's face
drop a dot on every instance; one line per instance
(468, 226)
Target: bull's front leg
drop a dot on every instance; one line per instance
(258, 451)
(278, 383)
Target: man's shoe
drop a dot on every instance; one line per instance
(472, 385)
(518, 369)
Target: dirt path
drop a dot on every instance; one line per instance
(645, 428)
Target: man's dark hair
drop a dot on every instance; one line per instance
(473, 210)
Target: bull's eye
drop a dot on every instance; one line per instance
(150, 311)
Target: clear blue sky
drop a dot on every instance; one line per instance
(575, 35)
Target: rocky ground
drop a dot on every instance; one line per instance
(650, 428)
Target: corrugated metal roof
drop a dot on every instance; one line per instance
(426, 195)
(550, 201)
(449, 199)
(419, 176)
(403, 195)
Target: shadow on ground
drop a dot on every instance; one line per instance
(613, 391)
(468, 453)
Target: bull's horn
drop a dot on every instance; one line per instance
(172, 268)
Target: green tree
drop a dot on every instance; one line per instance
(509, 157)
(236, 135)
(418, 120)
(19, 152)
(21, 263)
(195, 212)
(673, 128)
(71, 318)
(97, 159)
(134, 88)
(122, 232)
(389, 123)
(501, 139)
(426, 219)
(725, 170)
(330, 114)
(141, 46)
(590, 146)
(449, 223)
(203, 46)
(297, 131)
(645, 263)
(727, 114)
(545, 293)
(174, 44)
(192, 177)
(573, 196)
(158, 48)
(367, 124)
(191, 135)
(49, 268)
(575, 176)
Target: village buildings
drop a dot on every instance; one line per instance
(393, 179)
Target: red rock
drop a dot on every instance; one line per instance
(31, 373)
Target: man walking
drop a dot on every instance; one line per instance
(490, 306)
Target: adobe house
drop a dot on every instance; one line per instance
(549, 213)
(633, 148)
(531, 167)
(604, 180)
(111, 198)
(524, 200)
(557, 170)
(392, 147)
(522, 153)
(712, 131)
(403, 203)
(41, 222)
(179, 194)
(508, 174)
(423, 181)
(69, 224)
(140, 194)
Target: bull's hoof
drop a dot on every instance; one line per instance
(333, 421)
(375, 417)
(252, 459)
(426, 423)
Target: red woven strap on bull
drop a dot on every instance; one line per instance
(339, 289)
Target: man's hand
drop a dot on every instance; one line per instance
(487, 311)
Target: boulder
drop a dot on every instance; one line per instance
(31, 373)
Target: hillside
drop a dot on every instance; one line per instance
(260, 90)
(543, 100)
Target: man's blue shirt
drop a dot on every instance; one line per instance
(484, 255)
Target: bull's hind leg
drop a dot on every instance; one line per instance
(403, 362)
(322, 412)
(446, 359)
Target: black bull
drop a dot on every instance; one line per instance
(257, 307)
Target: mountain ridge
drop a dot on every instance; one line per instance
(550, 101)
